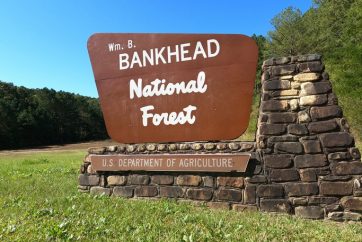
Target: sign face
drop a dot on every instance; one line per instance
(174, 87)
(171, 162)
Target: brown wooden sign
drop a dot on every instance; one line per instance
(174, 87)
(171, 162)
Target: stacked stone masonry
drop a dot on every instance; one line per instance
(310, 161)
(219, 190)
(304, 161)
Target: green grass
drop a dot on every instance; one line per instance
(39, 201)
(347, 84)
(250, 132)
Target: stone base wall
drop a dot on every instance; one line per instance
(221, 190)
(304, 161)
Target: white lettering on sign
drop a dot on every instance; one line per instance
(159, 87)
(213, 162)
(167, 54)
(172, 118)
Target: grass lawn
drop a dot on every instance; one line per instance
(39, 201)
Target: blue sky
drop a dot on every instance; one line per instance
(43, 43)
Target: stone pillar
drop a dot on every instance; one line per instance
(312, 167)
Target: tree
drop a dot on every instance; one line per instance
(30, 117)
(288, 36)
(261, 42)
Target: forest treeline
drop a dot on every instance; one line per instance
(332, 28)
(33, 117)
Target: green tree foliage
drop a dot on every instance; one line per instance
(286, 39)
(32, 117)
(261, 42)
(332, 28)
(324, 28)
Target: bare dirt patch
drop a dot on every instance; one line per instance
(66, 147)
